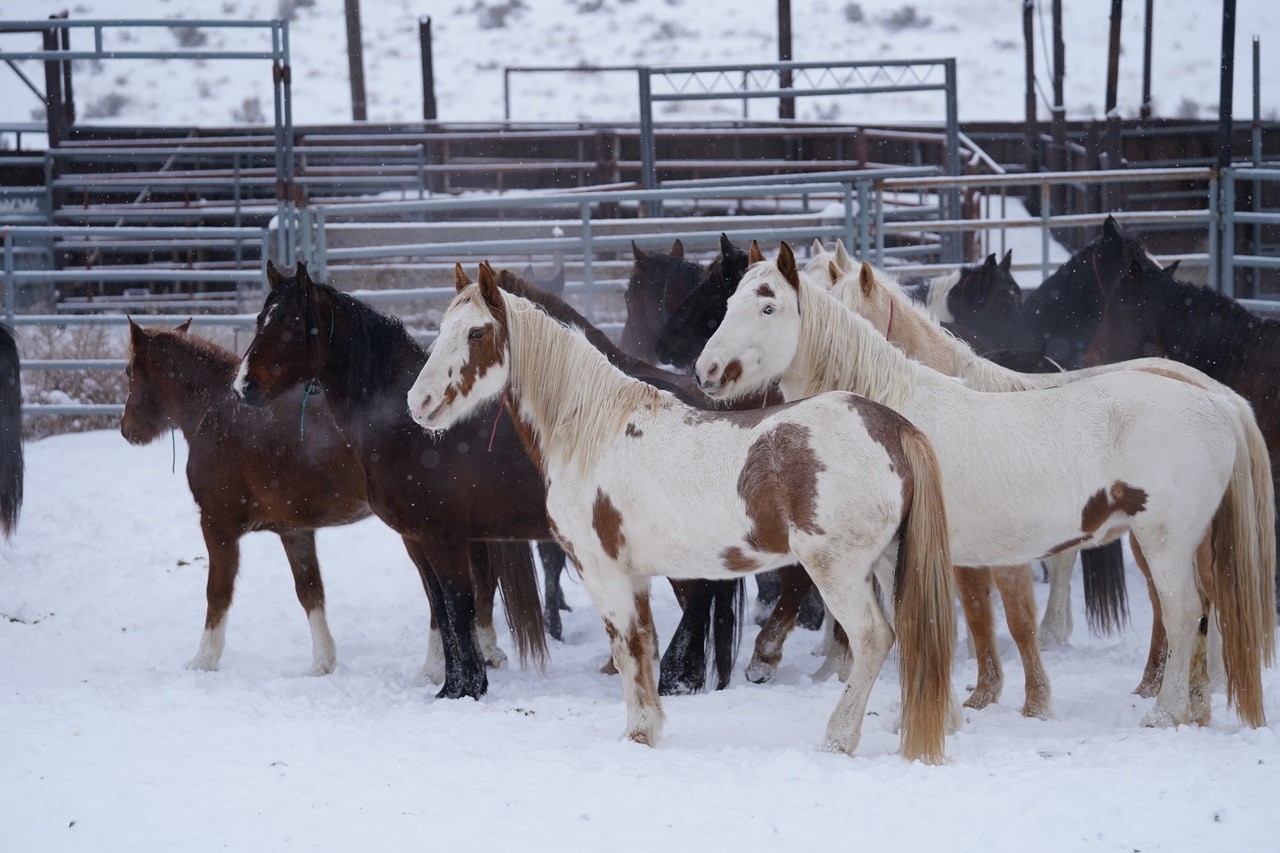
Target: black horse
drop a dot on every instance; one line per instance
(687, 331)
(11, 463)
(659, 283)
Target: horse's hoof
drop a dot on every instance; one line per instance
(761, 672)
(678, 688)
(201, 663)
(1148, 688)
(321, 668)
(495, 657)
(981, 698)
(427, 675)
(1159, 718)
(1036, 710)
(468, 689)
(608, 668)
(555, 628)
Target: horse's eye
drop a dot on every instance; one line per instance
(476, 334)
(768, 309)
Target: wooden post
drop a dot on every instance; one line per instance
(428, 69)
(1226, 87)
(1147, 29)
(1113, 54)
(1059, 161)
(786, 106)
(1029, 100)
(355, 61)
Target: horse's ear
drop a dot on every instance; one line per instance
(787, 265)
(1134, 271)
(816, 248)
(1006, 261)
(867, 279)
(182, 328)
(726, 247)
(754, 255)
(138, 336)
(1173, 267)
(489, 288)
(833, 271)
(460, 280)
(843, 261)
(273, 275)
(990, 262)
(677, 249)
(300, 271)
(527, 272)
(1111, 229)
(638, 253)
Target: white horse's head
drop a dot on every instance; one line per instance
(756, 342)
(867, 291)
(818, 267)
(470, 362)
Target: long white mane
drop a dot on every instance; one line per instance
(570, 395)
(936, 296)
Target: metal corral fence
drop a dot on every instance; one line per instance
(895, 218)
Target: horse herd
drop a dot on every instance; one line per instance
(818, 421)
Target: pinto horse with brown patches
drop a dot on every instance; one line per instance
(251, 469)
(639, 484)
(475, 486)
(1014, 493)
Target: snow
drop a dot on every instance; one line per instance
(985, 37)
(110, 744)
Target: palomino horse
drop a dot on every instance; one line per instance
(251, 469)
(11, 467)
(1149, 312)
(659, 284)
(881, 301)
(439, 496)
(639, 484)
(1031, 473)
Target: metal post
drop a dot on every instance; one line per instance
(322, 245)
(1045, 204)
(879, 203)
(849, 234)
(1215, 233)
(287, 93)
(952, 243)
(588, 255)
(506, 94)
(1145, 111)
(1255, 274)
(55, 114)
(1113, 54)
(1226, 82)
(429, 75)
(786, 106)
(1228, 246)
(648, 150)
(355, 60)
(1029, 95)
(863, 245)
(282, 170)
(9, 296)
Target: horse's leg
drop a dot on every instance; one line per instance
(300, 549)
(768, 588)
(1216, 667)
(811, 611)
(486, 588)
(973, 586)
(432, 671)
(553, 557)
(1182, 609)
(623, 604)
(845, 583)
(1158, 652)
(447, 556)
(683, 668)
(781, 621)
(1015, 585)
(224, 563)
(1055, 628)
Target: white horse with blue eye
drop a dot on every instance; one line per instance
(640, 484)
(1032, 473)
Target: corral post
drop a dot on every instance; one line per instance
(1029, 96)
(355, 60)
(1059, 117)
(10, 298)
(588, 256)
(786, 106)
(1113, 54)
(1147, 29)
(54, 103)
(429, 75)
(648, 168)
(951, 243)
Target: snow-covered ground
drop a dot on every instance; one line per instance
(110, 744)
(476, 39)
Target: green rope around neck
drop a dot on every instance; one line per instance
(312, 387)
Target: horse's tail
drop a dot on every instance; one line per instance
(513, 566)
(1243, 534)
(11, 465)
(727, 604)
(1106, 598)
(1264, 503)
(924, 596)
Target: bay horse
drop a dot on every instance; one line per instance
(1146, 454)
(640, 484)
(1150, 313)
(711, 610)
(659, 283)
(11, 457)
(439, 496)
(880, 300)
(251, 469)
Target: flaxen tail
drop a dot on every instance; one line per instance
(512, 564)
(925, 619)
(1243, 569)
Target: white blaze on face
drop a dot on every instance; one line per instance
(449, 388)
(242, 373)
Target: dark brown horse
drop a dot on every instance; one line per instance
(1150, 313)
(658, 286)
(251, 469)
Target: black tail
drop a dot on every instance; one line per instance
(1106, 599)
(512, 564)
(11, 465)
(706, 638)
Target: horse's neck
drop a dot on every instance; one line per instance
(567, 392)
(195, 382)
(919, 338)
(839, 350)
(361, 393)
(1227, 349)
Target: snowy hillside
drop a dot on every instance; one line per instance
(476, 39)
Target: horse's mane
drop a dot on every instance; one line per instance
(380, 352)
(1216, 332)
(577, 401)
(840, 350)
(199, 351)
(936, 293)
